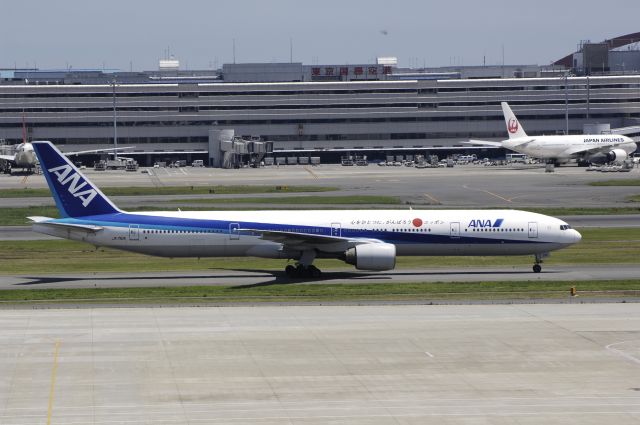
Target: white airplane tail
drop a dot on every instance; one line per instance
(514, 128)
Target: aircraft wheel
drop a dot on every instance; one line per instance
(537, 268)
(313, 271)
(290, 270)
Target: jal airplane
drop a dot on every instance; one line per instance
(369, 240)
(586, 148)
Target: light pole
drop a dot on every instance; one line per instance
(566, 103)
(115, 122)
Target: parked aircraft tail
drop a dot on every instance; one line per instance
(514, 129)
(74, 194)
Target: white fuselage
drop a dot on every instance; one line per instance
(413, 232)
(24, 155)
(568, 147)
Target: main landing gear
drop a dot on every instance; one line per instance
(302, 271)
(304, 267)
(537, 268)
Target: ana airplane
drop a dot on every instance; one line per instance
(586, 148)
(370, 240)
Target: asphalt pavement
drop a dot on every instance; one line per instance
(248, 278)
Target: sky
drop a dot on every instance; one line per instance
(135, 34)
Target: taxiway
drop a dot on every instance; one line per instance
(248, 278)
(525, 364)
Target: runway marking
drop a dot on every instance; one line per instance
(429, 354)
(497, 196)
(54, 372)
(433, 199)
(622, 353)
(183, 172)
(315, 176)
(488, 192)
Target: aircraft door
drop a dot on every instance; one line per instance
(234, 231)
(454, 229)
(336, 229)
(134, 232)
(533, 229)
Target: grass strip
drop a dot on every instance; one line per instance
(288, 292)
(598, 246)
(175, 190)
(584, 211)
(297, 200)
(616, 182)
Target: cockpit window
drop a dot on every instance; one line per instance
(565, 227)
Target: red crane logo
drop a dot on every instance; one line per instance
(513, 125)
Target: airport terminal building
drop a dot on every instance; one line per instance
(320, 110)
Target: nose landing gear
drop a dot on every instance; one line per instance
(537, 268)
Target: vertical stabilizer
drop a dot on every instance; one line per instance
(75, 196)
(514, 129)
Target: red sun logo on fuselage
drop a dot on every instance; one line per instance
(417, 222)
(513, 125)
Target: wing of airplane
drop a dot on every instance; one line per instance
(579, 150)
(97, 151)
(296, 240)
(626, 130)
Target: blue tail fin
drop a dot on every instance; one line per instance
(74, 194)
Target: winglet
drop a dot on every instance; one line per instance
(74, 194)
(514, 128)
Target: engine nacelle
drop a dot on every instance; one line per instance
(617, 155)
(372, 256)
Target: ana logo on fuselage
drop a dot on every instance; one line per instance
(480, 223)
(65, 174)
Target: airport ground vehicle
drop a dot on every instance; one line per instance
(368, 239)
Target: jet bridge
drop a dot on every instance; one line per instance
(226, 150)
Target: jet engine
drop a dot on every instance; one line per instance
(617, 155)
(372, 256)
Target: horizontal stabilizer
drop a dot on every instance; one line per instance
(485, 143)
(51, 222)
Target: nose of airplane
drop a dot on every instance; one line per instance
(577, 237)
